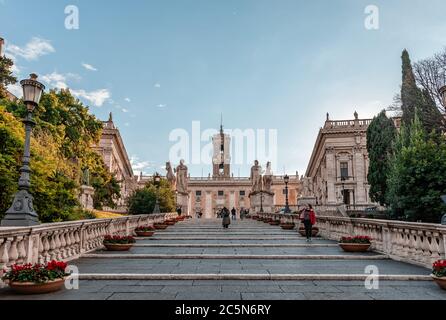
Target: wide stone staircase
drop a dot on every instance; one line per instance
(198, 259)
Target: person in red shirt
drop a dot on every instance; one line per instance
(308, 218)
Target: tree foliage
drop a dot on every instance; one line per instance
(417, 176)
(430, 74)
(381, 134)
(6, 76)
(61, 147)
(142, 201)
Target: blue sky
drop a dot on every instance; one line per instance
(159, 65)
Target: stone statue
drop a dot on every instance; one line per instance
(181, 172)
(170, 175)
(86, 177)
(256, 177)
(305, 187)
(268, 178)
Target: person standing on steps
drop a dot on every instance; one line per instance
(226, 219)
(233, 213)
(308, 218)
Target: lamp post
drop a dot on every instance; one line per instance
(261, 202)
(286, 178)
(157, 180)
(21, 213)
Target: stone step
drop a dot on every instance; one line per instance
(253, 276)
(222, 233)
(237, 250)
(231, 245)
(157, 237)
(233, 256)
(239, 265)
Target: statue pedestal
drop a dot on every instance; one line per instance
(262, 199)
(183, 202)
(86, 197)
(303, 201)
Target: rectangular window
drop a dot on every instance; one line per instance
(221, 193)
(344, 170)
(242, 192)
(198, 193)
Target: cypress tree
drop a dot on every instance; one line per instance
(381, 134)
(413, 98)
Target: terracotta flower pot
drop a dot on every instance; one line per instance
(118, 247)
(274, 222)
(440, 281)
(287, 226)
(255, 218)
(37, 288)
(355, 247)
(144, 233)
(160, 226)
(170, 222)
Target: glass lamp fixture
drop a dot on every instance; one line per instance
(32, 91)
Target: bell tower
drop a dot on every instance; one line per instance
(221, 157)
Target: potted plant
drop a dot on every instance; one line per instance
(36, 278)
(145, 231)
(439, 273)
(314, 231)
(355, 244)
(274, 222)
(287, 225)
(160, 226)
(170, 222)
(118, 243)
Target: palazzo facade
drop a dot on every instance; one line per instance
(113, 152)
(338, 167)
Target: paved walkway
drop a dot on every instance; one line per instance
(198, 259)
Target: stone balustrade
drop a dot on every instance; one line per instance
(412, 242)
(65, 240)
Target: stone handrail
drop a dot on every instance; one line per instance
(412, 242)
(65, 240)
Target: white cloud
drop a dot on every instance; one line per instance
(34, 49)
(161, 106)
(139, 166)
(157, 85)
(124, 110)
(127, 99)
(16, 90)
(97, 97)
(89, 67)
(58, 80)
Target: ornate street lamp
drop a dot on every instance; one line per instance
(286, 178)
(157, 181)
(22, 213)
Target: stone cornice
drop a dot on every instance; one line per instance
(122, 152)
